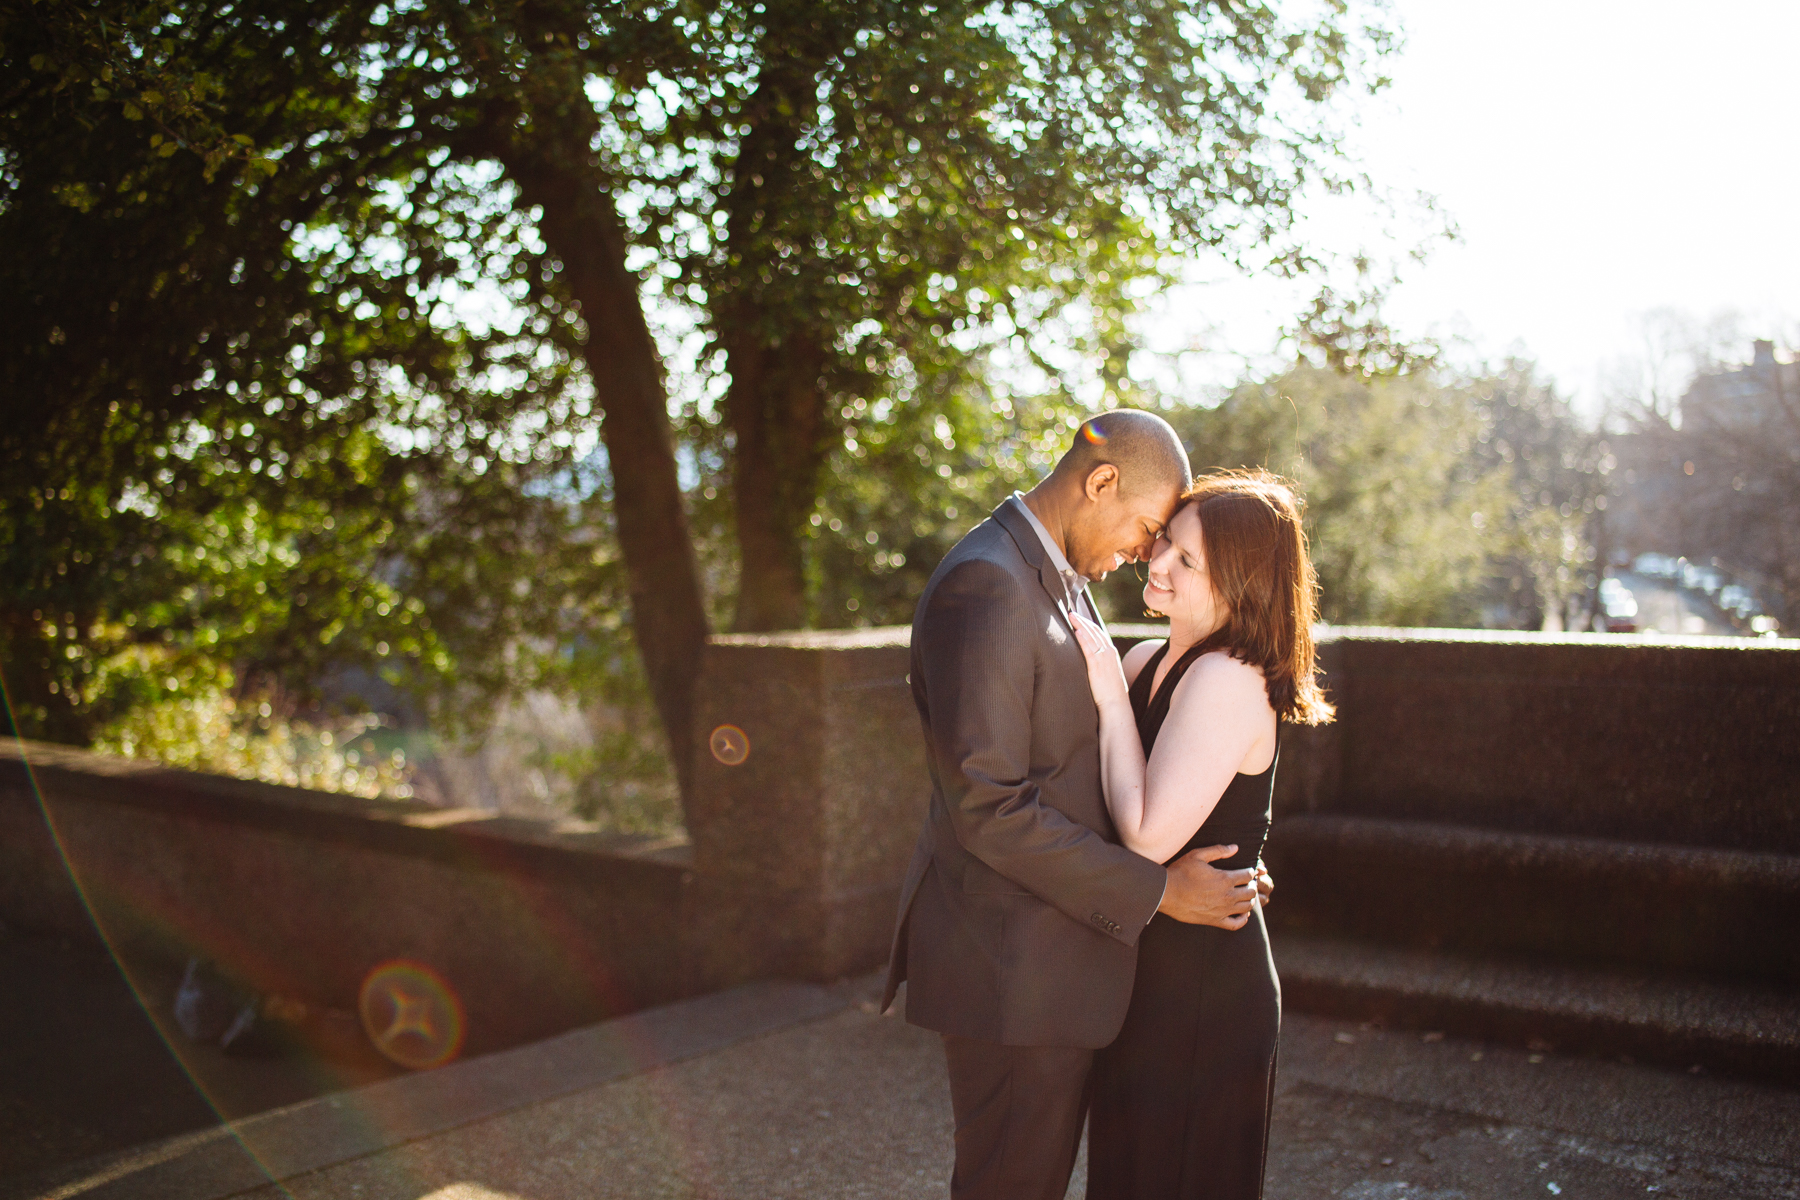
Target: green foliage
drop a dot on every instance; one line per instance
(209, 729)
(133, 59)
(1393, 507)
(1427, 496)
(1556, 469)
(297, 392)
(242, 420)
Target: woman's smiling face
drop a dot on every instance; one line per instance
(1179, 585)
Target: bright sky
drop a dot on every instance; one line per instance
(1601, 160)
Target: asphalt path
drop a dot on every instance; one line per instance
(857, 1105)
(790, 1091)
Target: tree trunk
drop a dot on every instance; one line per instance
(777, 348)
(580, 225)
(777, 409)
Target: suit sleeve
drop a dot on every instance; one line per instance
(977, 654)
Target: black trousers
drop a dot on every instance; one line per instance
(1019, 1112)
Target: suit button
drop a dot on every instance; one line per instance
(1098, 920)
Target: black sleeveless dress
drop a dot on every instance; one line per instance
(1181, 1098)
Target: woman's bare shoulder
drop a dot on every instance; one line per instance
(1218, 673)
(1137, 656)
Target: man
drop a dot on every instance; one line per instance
(1020, 914)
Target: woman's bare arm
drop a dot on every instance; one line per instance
(1218, 715)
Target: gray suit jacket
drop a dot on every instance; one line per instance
(1020, 914)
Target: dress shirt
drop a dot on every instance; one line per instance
(1074, 583)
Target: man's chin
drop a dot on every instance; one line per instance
(1101, 570)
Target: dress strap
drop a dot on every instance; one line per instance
(1140, 687)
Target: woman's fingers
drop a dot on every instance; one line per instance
(1093, 638)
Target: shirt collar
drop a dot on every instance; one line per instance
(1072, 580)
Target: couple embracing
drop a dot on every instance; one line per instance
(1082, 918)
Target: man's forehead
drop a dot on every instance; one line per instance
(1157, 507)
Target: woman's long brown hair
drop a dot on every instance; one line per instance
(1256, 557)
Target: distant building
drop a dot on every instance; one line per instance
(1723, 487)
(1763, 397)
(1690, 490)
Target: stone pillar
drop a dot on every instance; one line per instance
(809, 791)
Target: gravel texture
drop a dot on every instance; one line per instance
(855, 1105)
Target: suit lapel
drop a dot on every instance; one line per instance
(1031, 548)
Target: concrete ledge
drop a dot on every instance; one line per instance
(333, 1129)
(1676, 1020)
(800, 843)
(1685, 741)
(1430, 886)
(393, 826)
(538, 926)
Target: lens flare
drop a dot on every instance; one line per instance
(126, 1165)
(424, 1018)
(411, 1014)
(730, 745)
(1092, 432)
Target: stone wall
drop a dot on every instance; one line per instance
(800, 848)
(537, 928)
(1464, 773)
(1615, 801)
(1692, 741)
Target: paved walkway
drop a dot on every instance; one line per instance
(790, 1091)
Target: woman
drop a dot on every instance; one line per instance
(1181, 1099)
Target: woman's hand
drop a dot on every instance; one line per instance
(1105, 674)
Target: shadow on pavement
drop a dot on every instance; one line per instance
(85, 1069)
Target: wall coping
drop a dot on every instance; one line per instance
(873, 637)
(1520, 637)
(900, 636)
(412, 828)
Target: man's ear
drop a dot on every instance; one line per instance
(1101, 480)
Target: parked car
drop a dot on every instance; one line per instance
(1702, 579)
(1618, 607)
(1739, 600)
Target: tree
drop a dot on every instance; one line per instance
(1400, 514)
(1432, 498)
(232, 431)
(1544, 565)
(847, 198)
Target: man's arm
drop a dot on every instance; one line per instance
(977, 653)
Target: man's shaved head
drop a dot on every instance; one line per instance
(1114, 491)
(1141, 445)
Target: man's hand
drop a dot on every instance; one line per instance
(1265, 885)
(1201, 894)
